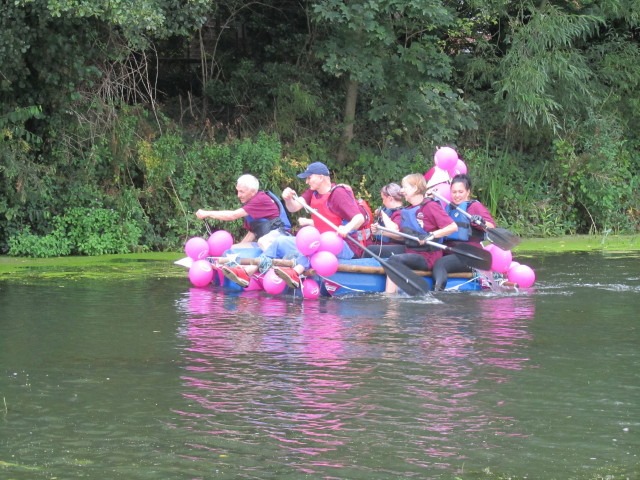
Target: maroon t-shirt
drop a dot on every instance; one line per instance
(341, 202)
(260, 206)
(477, 208)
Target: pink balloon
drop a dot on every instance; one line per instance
(308, 240)
(443, 190)
(196, 248)
(324, 263)
(331, 242)
(200, 273)
(500, 259)
(253, 284)
(512, 265)
(523, 275)
(310, 288)
(272, 283)
(460, 168)
(446, 158)
(489, 246)
(219, 242)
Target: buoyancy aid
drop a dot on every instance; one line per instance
(465, 233)
(262, 226)
(319, 203)
(409, 224)
(464, 224)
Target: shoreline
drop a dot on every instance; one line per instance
(160, 264)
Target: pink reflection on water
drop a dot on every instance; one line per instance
(321, 399)
(293, 371)
(460, 355)
(504, 328)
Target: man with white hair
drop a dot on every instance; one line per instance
(336, 203)
(260, 210)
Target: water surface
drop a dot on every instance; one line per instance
(154, 379)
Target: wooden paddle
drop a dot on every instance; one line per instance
(502, 237)
(474, 257)
(410, 282)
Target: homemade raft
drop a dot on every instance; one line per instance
(362, 275)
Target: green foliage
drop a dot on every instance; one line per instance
(27, 244)
(514, 190)
(80, 231)
(370, 170)
(542, 99)
(593, 174)
(393, 51)
(543, 72)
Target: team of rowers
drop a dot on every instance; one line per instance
(408, 208)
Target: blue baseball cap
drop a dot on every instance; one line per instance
(316, 168)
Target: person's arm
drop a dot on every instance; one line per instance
(223, 215)
(477, 209)
(445, 226)
(448, 230)
(389, 223)
(354, 224)
(343, 203)
(289, 196)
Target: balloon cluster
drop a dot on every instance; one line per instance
(447, 165)
(502, 262)
(321, 248)
(198, 249)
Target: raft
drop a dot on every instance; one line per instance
(356, 276)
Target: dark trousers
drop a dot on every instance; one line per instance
(446, 265)
(412, 260)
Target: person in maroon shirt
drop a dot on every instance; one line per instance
(470, 230)
(256, 207)
(423, 216)
(334, 202)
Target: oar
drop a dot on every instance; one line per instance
(502, 237)
(410, 282)
(474, 257)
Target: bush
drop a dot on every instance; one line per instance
(80, 231)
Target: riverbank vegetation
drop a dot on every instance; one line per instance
(118, 123)
(160, 264)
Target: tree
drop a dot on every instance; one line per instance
(390, 52)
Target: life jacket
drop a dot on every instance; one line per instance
(464, 224)
(465, 233)
(319, 203)
(409, 224)
(362, 234)
(262, 226)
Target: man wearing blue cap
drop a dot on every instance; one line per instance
(335, 203)
(338, 205)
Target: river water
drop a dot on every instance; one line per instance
(154, 379)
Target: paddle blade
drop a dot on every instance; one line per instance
(473, 257)
(405, 278)
(503, 238)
